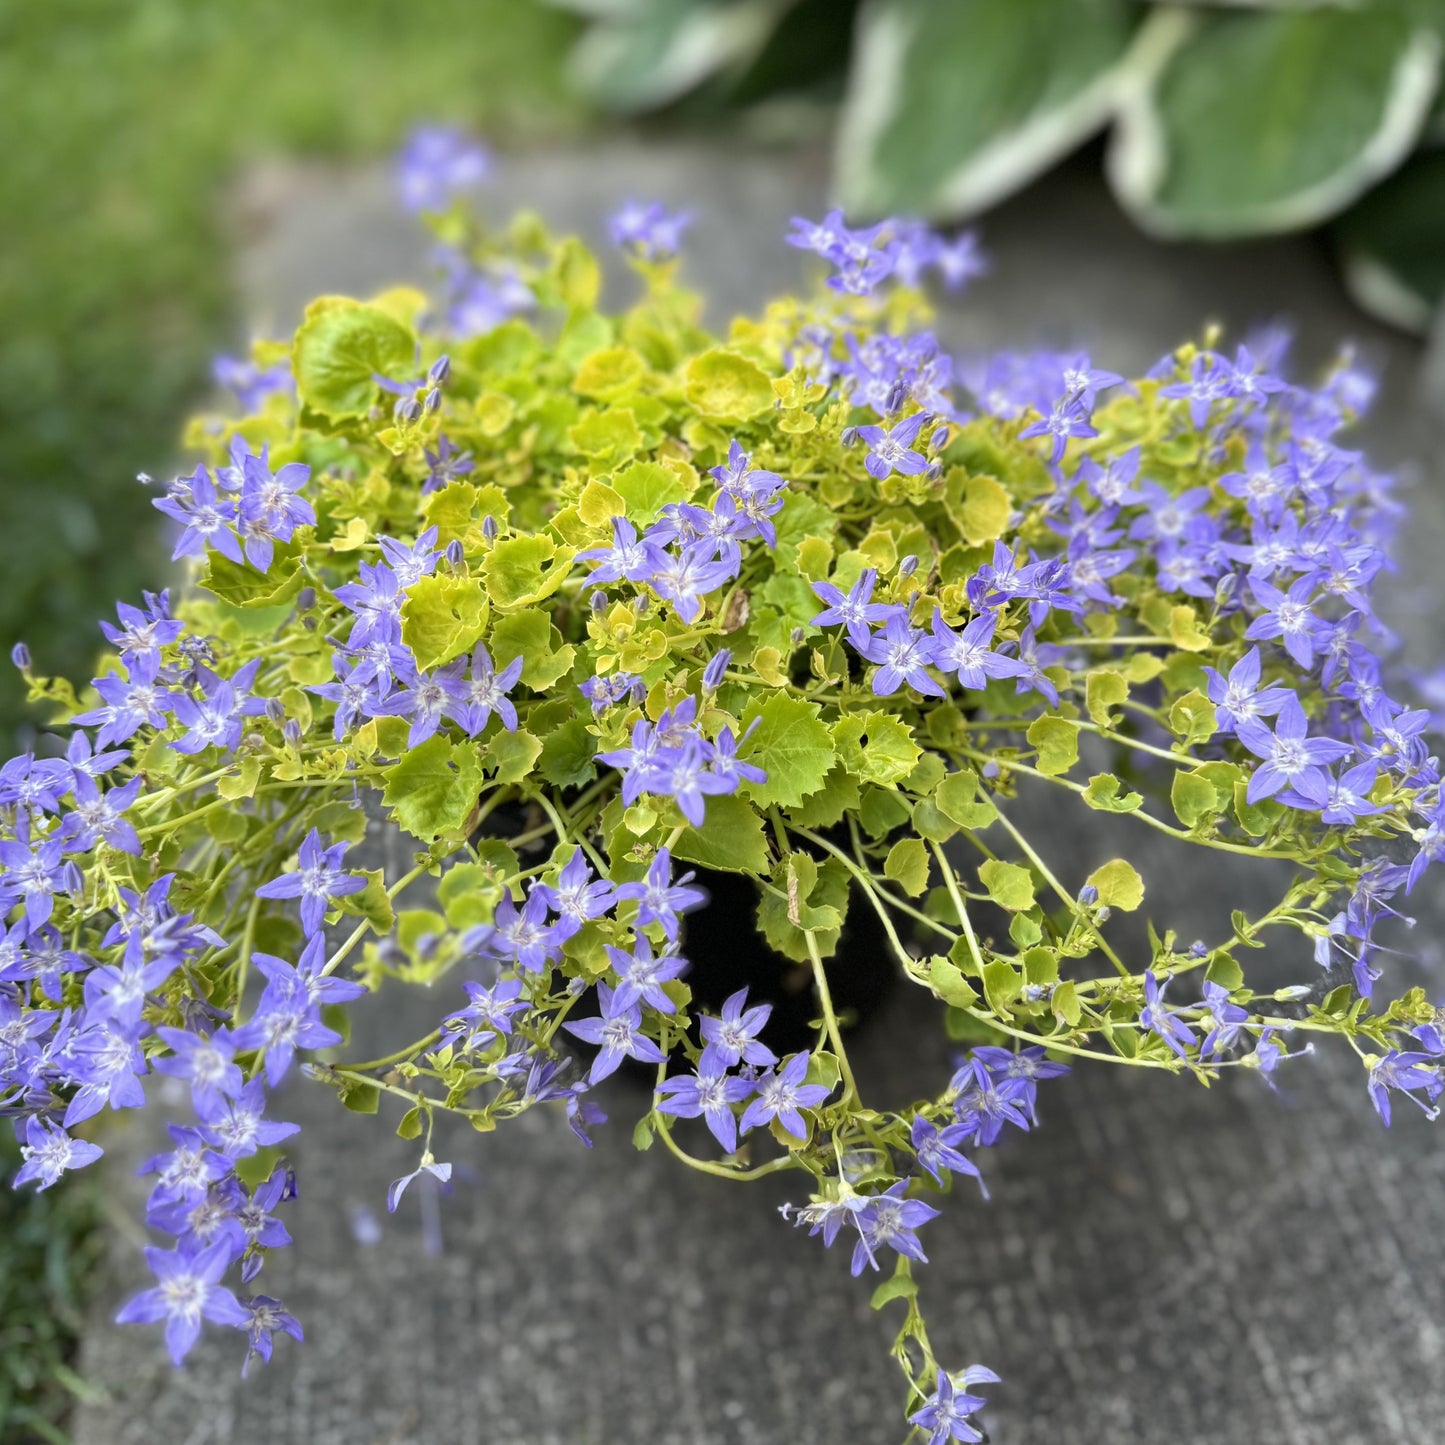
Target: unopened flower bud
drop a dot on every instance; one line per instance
(1088, 895)
(796, 637)
(292, 733)
(20, 656)
(850, 435)
(456, 554)
(306, 599)
(641, 605)
(939, 438)
(408, 411)
(489, 527)
(713, 673)
(431, 400)
(1292, 993)
(1225, 588)
(274, 711)
(990, 770)
(441, 369)
(908, 566)
(933, 470)
(1104, 914)
(897, 395)
(598, 601)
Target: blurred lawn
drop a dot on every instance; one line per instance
(49, 1247)
(123, 120)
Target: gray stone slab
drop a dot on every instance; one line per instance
(1160, 1262)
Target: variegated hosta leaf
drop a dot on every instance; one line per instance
(1268, 121)
(953, 104)
(1393, 244)
(640, 55)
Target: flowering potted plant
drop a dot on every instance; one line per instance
(589, 604)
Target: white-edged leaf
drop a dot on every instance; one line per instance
(953, 104)
(649, 55)
(1262, 121)
(1393, 244)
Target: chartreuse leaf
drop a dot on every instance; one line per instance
(931, 822)
(532, 637)
(830, 803)
(953, 104)
(241, 783)
(1224, 971)
(1058, 743)
(1192, 718)
(1104, 691)
(957, 798)
(646, 488)
(523, 570)
(608, 373)
(433, 787)
(1119, 885)
(340, 347)
(599, 503)
(1257, 819)
(443, 616)
(450, 511)
(901, 1286)
(469, 893)
(1002, 985)
(805, 897)
(243, 586)
(791, 744)
(731, 838)
(575, 274)
(983, 510)
(1064, 1001)
(609, 436)
(512, 755)
(1103, 794)
(567, 753)
(876, 746)
(1185, 631)
(1194, 798)
(907, 865)
(946, 980)
(372, 903)
(727, 386)
(360, 1096)
(1009, 885)
(1272, 120)
(882, 810)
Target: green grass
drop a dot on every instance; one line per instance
(123, 121)
(49, 1246)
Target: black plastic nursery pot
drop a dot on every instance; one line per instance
(727, 952)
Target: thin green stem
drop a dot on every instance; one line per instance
(830, 1019)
